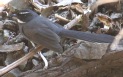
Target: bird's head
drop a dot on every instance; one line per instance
(26, 15)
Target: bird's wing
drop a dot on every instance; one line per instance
(42, 35)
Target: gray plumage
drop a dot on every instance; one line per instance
(42, 31)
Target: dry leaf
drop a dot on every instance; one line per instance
(67, 2)
(11, 48)
(106, 20)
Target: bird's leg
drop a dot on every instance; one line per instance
(44, 59)
(42, 56)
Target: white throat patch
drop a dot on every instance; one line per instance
(19, 21)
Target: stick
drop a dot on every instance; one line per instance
(19, 61)
(116, 41)
(73, 22)
(62, 18)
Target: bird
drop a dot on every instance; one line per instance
(42, 31)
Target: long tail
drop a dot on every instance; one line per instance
(91, 37)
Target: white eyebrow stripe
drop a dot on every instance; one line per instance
(23, 12)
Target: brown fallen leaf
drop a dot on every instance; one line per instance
(105, 19)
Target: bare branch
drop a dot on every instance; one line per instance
(73, 22)
(19, 61)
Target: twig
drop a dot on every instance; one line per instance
(61, 18)
(116, 41)
(73, 22)
(19, 61)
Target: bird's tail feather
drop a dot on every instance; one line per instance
(91, 37)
